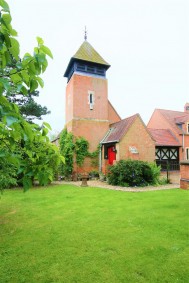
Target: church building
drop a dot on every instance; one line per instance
(90, 114)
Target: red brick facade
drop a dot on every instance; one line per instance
(177, 122)
(184, 172)
(80, 119)
(137, 137)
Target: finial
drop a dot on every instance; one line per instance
(85, 36)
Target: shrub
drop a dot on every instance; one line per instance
(133, 173)
(94, 174)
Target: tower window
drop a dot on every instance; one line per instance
(91, 99)
(187, 153)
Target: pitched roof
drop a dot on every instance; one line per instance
(174, 118)
(164, 137)
(87, 53)
(119, 129)
(181, 119)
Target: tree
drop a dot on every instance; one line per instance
(29, 108)
(21, 76)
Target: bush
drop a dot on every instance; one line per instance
(94, 174)
(133, 173)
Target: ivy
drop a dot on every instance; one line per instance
(67, 147)
(81, 150)
(77, 148)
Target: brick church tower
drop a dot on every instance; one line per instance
(88, 111)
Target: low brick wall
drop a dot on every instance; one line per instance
(184, 172)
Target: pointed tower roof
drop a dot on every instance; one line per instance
(86, 53)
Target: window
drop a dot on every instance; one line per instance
(180, 126)
(187, 153)
(187, 128)
(91, 99)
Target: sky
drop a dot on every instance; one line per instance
(146, 42)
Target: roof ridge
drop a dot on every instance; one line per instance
(127, 118)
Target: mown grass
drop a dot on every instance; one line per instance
(70, 234)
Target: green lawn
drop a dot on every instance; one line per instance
(73, 234)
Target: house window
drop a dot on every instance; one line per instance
(180, 126)
(187, 153)
(91, 99)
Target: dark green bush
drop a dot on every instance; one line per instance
(94, 174)
(133, 173)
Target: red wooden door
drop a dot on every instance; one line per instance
(111, 155)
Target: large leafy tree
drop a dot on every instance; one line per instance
(21, 142)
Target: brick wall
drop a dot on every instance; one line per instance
(77, 98)
(138, 137)
(113, 116)
(81, 120)
(92, 130)
(184, 172)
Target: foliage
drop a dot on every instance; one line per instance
(8, 170)
(133, 173)
(94, 156)
(81, 150)
(74, 147)
(28, 107)
(40, 161)
(163, 181)
(67, 148)
(19, 138)
(94, 174)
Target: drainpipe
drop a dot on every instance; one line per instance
(100, 158)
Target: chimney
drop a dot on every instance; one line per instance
(186, 107)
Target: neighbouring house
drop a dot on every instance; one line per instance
(170, 130)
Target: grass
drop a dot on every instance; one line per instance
(70, 234)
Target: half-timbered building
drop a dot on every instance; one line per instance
(170, 130)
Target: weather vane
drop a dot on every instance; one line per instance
(85, 36)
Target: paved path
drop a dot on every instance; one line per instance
(104, 185)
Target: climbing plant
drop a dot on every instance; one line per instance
(77, 148)
(67, 147)
(81, 150)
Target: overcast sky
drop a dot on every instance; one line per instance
(146, 42)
